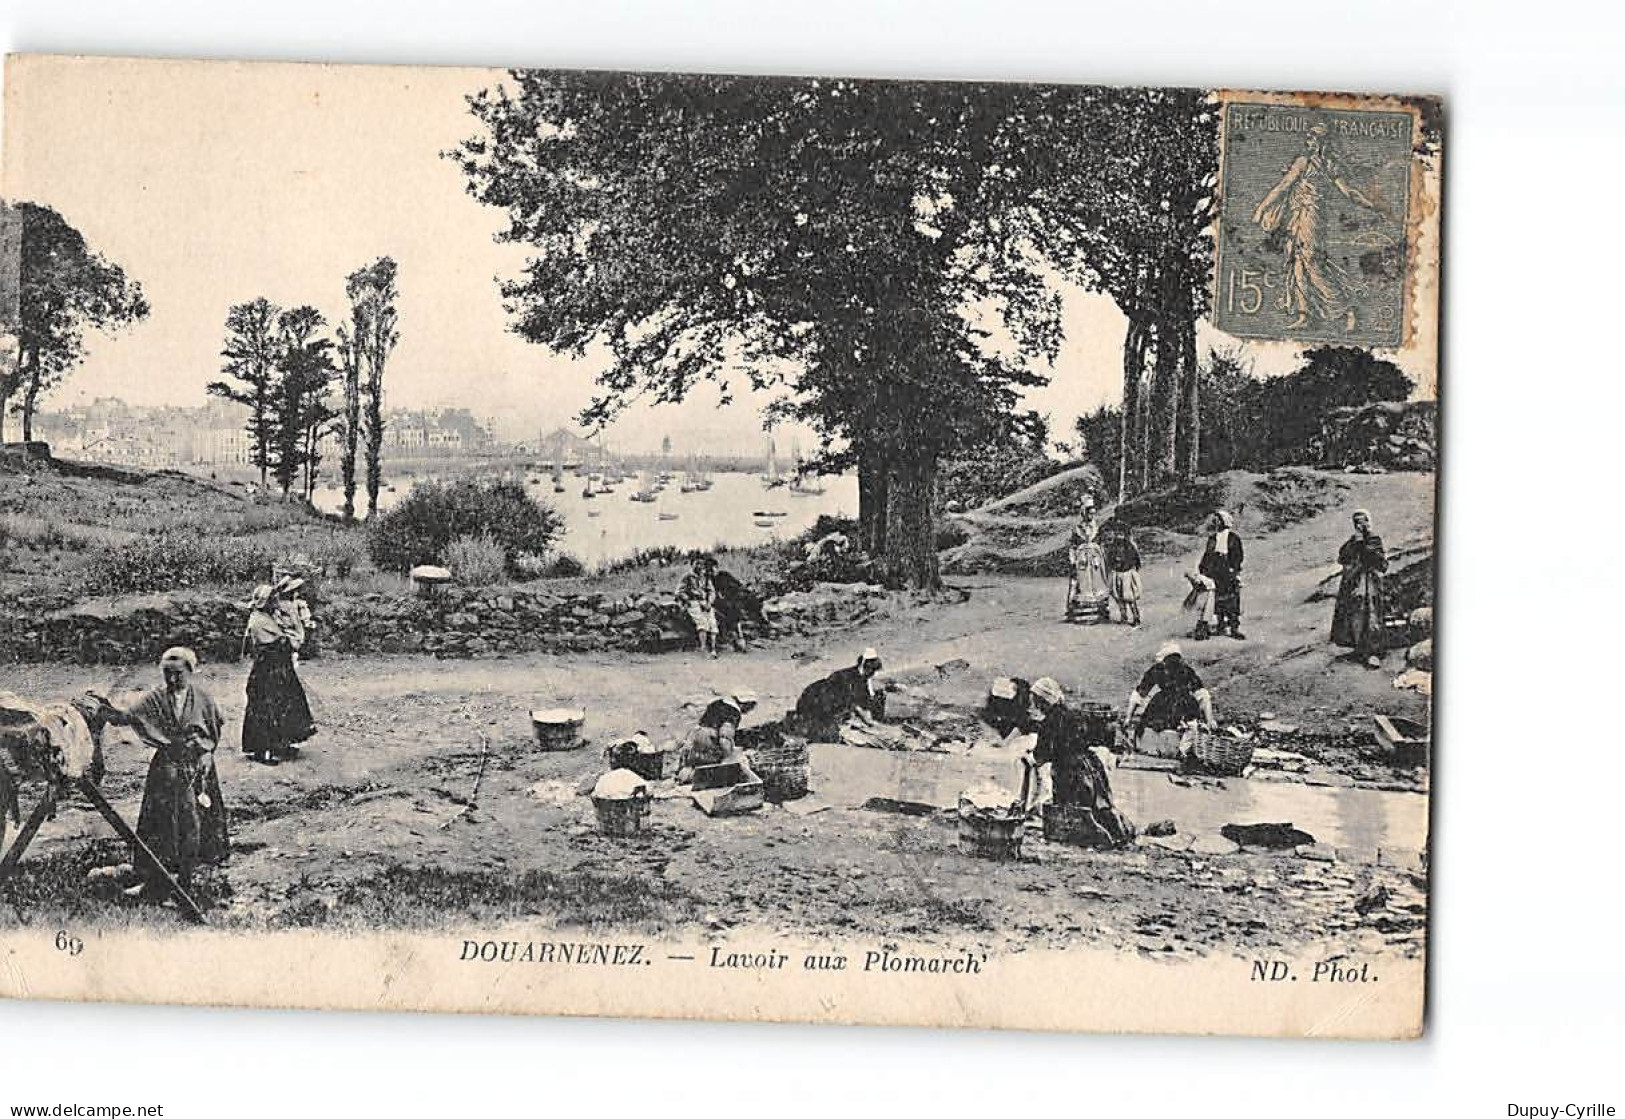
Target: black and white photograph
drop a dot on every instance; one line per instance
(694, 534)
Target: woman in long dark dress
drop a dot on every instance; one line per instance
(277, 717)
(1357, 617)
(183, 815)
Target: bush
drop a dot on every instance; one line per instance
(433, 515)
(168, 560)
(340, 554)
(563, 566)
(476, 561)
(988, 473)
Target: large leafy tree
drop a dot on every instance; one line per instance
(840, 240)
(66, 288)
(251, 352)
(1123, 195)
(304, 372)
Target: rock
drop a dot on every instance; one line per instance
(1273, 836)
(1376, 899)
(1317, 852)
(1420, 622)
(1160, 828)
(1420, 655)
(1213, 845)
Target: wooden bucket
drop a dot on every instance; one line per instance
(988, 836)
(622, 817)
(558, 728)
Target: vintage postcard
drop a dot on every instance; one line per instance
(786, 549)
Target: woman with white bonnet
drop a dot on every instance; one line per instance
(277, 715)
(183, 816)
(1219, 581)
(1168, 696)
(1090, 589)
(1357, 618)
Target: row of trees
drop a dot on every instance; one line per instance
(64, 289)
(1255, 423)
(281, 367)
(882, 254)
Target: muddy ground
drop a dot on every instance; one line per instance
(373, 826)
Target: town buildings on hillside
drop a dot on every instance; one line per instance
(108, 430)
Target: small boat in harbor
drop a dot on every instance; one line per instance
(668, 516)
(763, 522)
(769, 513)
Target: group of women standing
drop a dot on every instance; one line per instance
(1106, 569)
(183, 814)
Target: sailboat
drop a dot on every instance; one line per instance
(558, 477)
(771, 478)
(645, 491)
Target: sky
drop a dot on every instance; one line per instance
(214, 183)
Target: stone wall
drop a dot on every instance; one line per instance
(456, 623)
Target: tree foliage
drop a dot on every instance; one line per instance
(839, 240)
(250, 354)
(1256, 423)
(304, 370)
(434, 515)
(364, 348)
(66, 288)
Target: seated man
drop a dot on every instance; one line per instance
(825, 704)
(1077, 775)
(1169, 695)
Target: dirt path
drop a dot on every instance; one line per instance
(370, 825)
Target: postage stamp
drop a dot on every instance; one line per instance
(1312, 233)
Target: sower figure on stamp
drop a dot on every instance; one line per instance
(183, 816)
(1357, 618)
(1217, 582)
(1316, 285)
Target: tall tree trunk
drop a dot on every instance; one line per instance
(1129, 464)
(30, 395)
(1164, 423)
(1190, 412)
(911, 537)
(873, 480)
(375, 437)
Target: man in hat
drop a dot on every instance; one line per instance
(183, 816)
(1218, 581)
(825, 704)
(1077, 775)
(1168, 696)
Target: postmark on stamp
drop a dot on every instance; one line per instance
(1312, 239)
